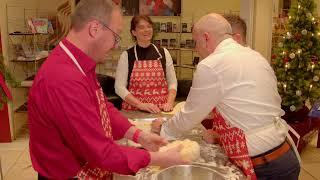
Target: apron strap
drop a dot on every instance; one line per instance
(281, 125)
(67, 51)
(136, 54)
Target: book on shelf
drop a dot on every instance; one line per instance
(163, 27)
(18, 50)
(196, 60)
(27, 51)
(175, 28)
(172, 43)
(164, 42)
(30, 26)
(188, 43)
(174, 60)
(40, 25)
(156, 26)
(184, 27)
(169, 26)
(193, 43)
(23, 50)
(157, 42)
(50, 28)
(182, 44)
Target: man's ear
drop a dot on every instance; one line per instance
(207, 38)
(94, 28)
(237, 37)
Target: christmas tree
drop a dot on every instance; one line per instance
(295, 59)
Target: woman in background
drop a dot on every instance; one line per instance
(145, 77)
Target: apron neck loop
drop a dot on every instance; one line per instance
(67, 51)
(155, 47)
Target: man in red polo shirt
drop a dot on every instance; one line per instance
(72, 125)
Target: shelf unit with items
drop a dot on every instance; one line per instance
(29, 50)
(29, 35)
(176, 36)
(110, 66)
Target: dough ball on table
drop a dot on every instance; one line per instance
(189, 152)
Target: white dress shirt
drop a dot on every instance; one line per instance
(121, 81)
(240, 83)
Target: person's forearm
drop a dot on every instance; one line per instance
(156, 159)
(131, 131)
(133, 101)
(129, 134)
(171, 96)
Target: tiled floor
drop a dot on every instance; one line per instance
(16, 164)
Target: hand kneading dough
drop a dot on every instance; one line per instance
(189, 152)
(176, 108)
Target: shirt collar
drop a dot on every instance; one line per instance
(223, 45)
(86, 62)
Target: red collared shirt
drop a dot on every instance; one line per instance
(65, 125)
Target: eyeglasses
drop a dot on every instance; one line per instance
(116, 36)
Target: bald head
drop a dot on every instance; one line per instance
(214, 24)
(209, 31)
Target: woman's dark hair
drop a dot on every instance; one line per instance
(135, 20)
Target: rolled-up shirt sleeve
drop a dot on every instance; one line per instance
(80, 125)
(205, 93)
(170, 72)
(122, 72)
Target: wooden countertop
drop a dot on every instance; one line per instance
(143, 115)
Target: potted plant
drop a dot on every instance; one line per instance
(5, 96)
(5, 75)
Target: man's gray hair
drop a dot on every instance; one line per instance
(88, 10)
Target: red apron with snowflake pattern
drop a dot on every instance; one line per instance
(88, 172)
(147, 82)
(234, 144)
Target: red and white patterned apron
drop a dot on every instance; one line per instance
(87, 172)
(147, 82)
(234, 144)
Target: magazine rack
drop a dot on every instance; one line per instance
(28, 41)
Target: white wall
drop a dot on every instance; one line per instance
(262, 27)
(199, 8)
(247, 14)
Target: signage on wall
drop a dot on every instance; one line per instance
(151, 7)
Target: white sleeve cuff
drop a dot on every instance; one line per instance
(166, 134)
(172, 86)
(170, 72)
